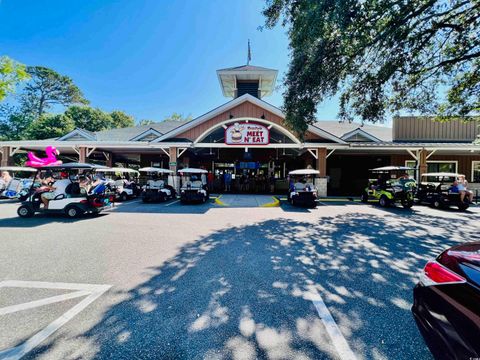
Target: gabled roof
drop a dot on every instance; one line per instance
(233, 103)
(247, 68)
(358, 132)
(87, 135)
(343, 128)
(148, 132)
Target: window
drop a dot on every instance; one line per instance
(442, 166)
(438, 166)
(475, 171)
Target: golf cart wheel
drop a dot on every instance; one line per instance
(463, 207)
(407, 204)
(25, 211)
(123, 196)
(364, 198)
(384, 202)
(73, 212)
(437, 204)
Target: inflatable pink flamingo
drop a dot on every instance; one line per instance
(51, 158)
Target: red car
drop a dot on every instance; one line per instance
(446, 303)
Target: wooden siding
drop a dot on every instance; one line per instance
(464, 161)
(412, 128)
(245, 109)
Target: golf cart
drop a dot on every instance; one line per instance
(18, 187)
(73, 201)
(302, 191)
(122, 187)
(390, 185)
(193, 189)
(435, 190)
(157, 188)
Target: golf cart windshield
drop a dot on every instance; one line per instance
(304, 179)
(193, 178)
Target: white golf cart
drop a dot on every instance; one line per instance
(73, 201)
(122, 187)
(193, 189)
(157, 188)
(302, 190)
(18, 187)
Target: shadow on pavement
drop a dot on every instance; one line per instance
(240, 292)
(43, 219)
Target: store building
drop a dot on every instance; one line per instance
(247, 137)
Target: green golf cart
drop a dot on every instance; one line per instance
(389, 185)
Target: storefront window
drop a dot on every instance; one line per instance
(476, 171)
(412, 164)
(442, 166)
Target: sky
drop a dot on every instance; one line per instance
(149, 58)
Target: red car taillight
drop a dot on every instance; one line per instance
(435, 273)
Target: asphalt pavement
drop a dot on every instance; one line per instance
(173, 281)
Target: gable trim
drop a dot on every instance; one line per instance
(146, 133)
(359, 131)
(79, 132)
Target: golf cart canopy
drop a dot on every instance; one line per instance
(192, 171)
(17, 168)
(304, 172)
(73, 166)
(155, 170)
(443, 175)
(392, 168)
(120, 170)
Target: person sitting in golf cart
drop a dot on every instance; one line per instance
(462, 188)
(55, 189)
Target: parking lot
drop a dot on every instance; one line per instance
(220, 281)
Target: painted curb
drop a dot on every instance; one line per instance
(220, 202)
(275, 203)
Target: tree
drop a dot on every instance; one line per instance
(177, 117)
(13, 123)
(380, 56)
(89, 118)
(49, 126)
(11, 73)
(47, 88)
(121, 120)
(146, 122)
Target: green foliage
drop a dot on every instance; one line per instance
(146, 122)
(11, 73)
(47, 88)
(178, 117)
(121, 120)
(13, 123)
(89, 118)
(49, 126)
(380, 56)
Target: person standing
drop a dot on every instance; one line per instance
(228, 180)
(210, 180)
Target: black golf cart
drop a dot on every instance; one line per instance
(193, 189)
(157, 188)
(302, 190)
(435, 189)
(390, 185)
(74, 201)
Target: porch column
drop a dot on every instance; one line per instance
(422, 163)
(109, 160)
(82, 156)
(173, 179)
(6, 159)
(322, 161)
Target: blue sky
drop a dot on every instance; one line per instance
(149, 58)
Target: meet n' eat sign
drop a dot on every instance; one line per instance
(243, 133)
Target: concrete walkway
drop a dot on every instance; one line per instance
(242, 200)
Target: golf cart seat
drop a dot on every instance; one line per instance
(155, 184)
(197, 184)
(309, 186)
(299, 186)
(119, 183)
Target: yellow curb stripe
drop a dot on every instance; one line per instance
(220, 202)
(275, 203)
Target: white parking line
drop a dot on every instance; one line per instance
(339, 342)
(91, 291)
(173, 202)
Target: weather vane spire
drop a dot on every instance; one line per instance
(249, 55)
